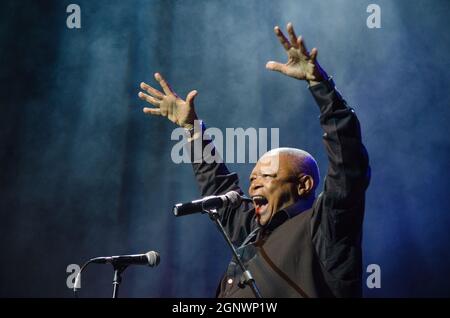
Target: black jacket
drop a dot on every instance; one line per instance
(303, 253)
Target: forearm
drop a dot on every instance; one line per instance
(348, 171)
(214, 178)
(211, 173)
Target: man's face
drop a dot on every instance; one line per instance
(273, 186)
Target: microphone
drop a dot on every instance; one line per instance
(231, 199)
(150, 258)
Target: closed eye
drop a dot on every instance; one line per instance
(264, 175)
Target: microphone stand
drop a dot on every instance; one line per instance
(118, 270)
(247, 277)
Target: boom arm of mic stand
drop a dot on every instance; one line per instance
(246, 276)
(118, 270)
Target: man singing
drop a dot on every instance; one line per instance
(294, 242)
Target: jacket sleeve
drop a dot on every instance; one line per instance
(339, 210)
(213, 178)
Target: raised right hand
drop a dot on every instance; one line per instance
(168, 104)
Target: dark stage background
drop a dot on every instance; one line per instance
(84, 173)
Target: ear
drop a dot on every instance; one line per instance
(305, 185)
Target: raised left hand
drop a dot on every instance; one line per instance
(301, 64)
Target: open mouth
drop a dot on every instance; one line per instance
(260, 203)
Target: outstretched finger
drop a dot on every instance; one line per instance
(152, 111)
(165, 86)
(274, 66)
(302, 46)
(282, 38)
(190, 97)
(152, 91)
(313, 55)
(149, 99)
(292, 35)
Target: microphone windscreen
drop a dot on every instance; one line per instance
(234, 199)
(153, 258)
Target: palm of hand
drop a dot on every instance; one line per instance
(301, 64)
(169, 104)
(178, 111)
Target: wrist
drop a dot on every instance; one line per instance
(195, 130)
(319, 75)
(190, 124)
(313, 83)
(326, 86)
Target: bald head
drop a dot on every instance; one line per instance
(295, 161)
(282, 177)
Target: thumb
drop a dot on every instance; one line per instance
(274, 66)
(190, 97)
(313, 55)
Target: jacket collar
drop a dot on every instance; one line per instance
(285, 214)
